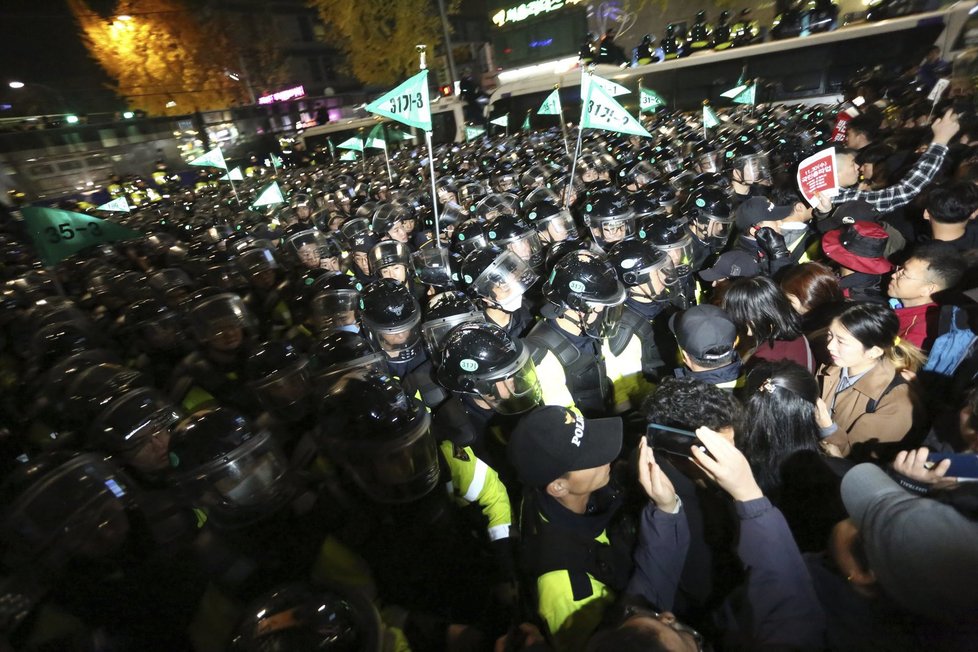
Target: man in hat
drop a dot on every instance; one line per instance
(731, 264)
(707, 339)
(858, 250)
(759, 222)
(576, 534)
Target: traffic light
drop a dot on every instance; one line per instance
(445, 90)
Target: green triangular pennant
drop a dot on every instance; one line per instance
(735, 91)
(375, 139)
(710, 118)
(471, 133)
(119, 205)
(270, 195)
(353, 143)
(408, 103)
(233, 175)
(502, 121)
(526, 123)
(746, 96)
(58, 234)
(276, 161)
(213, 158)
(348, 155)
(551, 105)
(601, 111)
(610, 88)
(649, 100)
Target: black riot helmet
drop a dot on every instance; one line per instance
(314, 249)
(552, 222)
(341, 352)
(437, 267)
(748, 163)
(136, 427)
(155, 324)
(484, 361)
(469, 236)
(380, 436)
(58, 507)
(609, 217)
(221, 321)
(586, 284)
(305, 617)
(644, 270)
(707, 209)
(93, 389)
(279, 376)
(335, 304)
(672, 238)
(498, 276)
(446, 311)
(391, 259)
(512, 233)
(635, 176)
(234, 472)
(392, 318)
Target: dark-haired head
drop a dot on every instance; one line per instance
(688, 404)
(780, 419)
(875, 328)
(810, 285)
(952, 203)
(760, 309)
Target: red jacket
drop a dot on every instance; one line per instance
(919, 324)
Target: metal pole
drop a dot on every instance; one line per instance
(448, 44)
(387, 160)
(577, 153)
(563, 125)
(422, 64)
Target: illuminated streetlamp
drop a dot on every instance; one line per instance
(16, 84)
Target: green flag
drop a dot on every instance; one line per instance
(375, 139)
(119, 205)
(213, 158)
(270, 195)
(349, 155)
(551, 105)
(502, 121)
(735, 91)
(353, 143)
(710, 118)
(526, 123)
(649, 100)
(58, 234)
(233, 175)
(471, 133)
(408, 103)
(610, 88)
(601, 111)
(746, 96)
(276, 161)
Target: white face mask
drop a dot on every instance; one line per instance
(511, 303)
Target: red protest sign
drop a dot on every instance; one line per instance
(818, 173)
(840, 128)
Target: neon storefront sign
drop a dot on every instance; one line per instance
(281, 96)
(529, 10)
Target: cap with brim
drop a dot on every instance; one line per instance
(551, 441)
(859, 247)
(759, 209)
(730, 265)
(923, 553)
(704, 331)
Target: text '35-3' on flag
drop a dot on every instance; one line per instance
(270, 195)
(408, 103)
(551, 105)
(213, 158)
(57, 234)
(601, 111)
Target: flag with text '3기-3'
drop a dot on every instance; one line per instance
(408, 103)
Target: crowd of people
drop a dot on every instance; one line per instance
(667, 404)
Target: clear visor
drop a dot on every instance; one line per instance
(752, 169)
(399, 471)
(434, 332)
(602, 321)
(433, 266)
(529, 248)
(256, 261)
(399, 340)
(610, 231)
(334, 309)
(353, 228)
(558, 228)
(283, 389)
(220, 317)
(247, 477)
(330, 375)
(514, 390)
(505, 281)
(712, 229)
(709, 162)
(641, 174)
(389, 252)
(681, 254)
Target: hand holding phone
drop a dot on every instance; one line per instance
(673, 441)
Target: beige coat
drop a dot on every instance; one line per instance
(895, 411)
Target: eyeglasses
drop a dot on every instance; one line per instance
(901, 273)
(634, 610)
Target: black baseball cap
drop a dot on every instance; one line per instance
(551, 440)
(704, 332)
(760, 209)
(730, 265)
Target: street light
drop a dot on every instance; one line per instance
(16, 84)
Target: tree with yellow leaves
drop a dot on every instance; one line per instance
(379, 36)
(161, 56)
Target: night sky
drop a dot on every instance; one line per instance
(39, 42)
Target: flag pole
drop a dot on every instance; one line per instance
(231, 181)
(387, 160)
(577, 148)
(563, 125)
(423, 65)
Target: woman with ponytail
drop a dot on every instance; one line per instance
(869, 387)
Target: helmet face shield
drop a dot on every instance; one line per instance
(373, 362)
(558, 228)
(709, 162)
(681, 253)
(601, 321)
(505, 281)
(529, 249)
(752, 169)
(283, 390)
(246, 478)
(400, 343)
(433, 267)
(314, 250)
(434, 332)
(609, 231)
(514, 390)
(398, 471)
(713, 230)
(334, 309)
(221, 321)
(655, 281)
